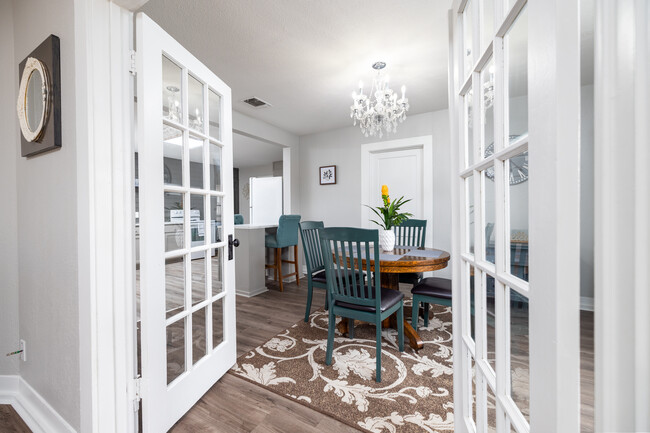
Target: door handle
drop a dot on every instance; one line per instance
(231, 242)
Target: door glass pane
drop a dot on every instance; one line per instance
(217, 271)
(195, 101)
(519, 352)
(198, 277)
(491, 411)
(472, 397)
(487, 29)
(215, 167)
(215, 114)
(468, 26)
(174, 286)
(217, 322)
(199, 346)
(174, 223)
(472, 299)
(487, 87)
(172, 156)
(175, 349)
(172, 90)
(216, 210)
(196, 162)
(516, 42)
(469, 183)
(197, 212)
(491, 319)
(517, 170)
(488, 203)
(469, 149)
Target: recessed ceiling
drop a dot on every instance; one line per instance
(305, 57)
(250, 152)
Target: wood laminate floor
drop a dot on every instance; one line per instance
(10, 422)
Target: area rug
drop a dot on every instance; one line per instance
(415, 394)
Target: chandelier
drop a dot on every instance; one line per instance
(380, 110)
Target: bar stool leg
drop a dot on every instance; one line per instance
(295, 259)
(278, 264)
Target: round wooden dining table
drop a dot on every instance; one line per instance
(402, 260)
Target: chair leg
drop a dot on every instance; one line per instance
(275, 264)
(278, 263)
(295, 259)
(350, 328)
(426, 314)
(400, 328)
(309, 293)
(378, 344)
(330, 338)
(414, 314)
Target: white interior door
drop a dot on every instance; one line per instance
(515, 106)
(186, 216)
(401, 171)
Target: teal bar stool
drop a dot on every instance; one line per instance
(350, 297)
(432, 290)
(239, 219)
(411, 233)
(286, 236)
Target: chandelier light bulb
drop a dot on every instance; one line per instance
(403, 91)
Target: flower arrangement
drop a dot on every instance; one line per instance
(389, 213)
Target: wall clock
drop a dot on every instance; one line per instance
(518, 165)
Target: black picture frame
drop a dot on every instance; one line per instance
(49, 53)
(327, 175)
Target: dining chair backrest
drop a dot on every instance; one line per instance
(411, 233)
(287, 234)
(345, 249)
(311, 245)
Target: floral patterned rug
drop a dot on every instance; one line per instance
(415, 394)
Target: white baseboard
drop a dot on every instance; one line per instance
(586, 304)
(251, 293)
(37, 413)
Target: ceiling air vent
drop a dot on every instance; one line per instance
(256, 102)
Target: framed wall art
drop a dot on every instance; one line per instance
(39, 99)
(327, 175)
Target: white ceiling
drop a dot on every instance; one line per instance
(249, 152)
(305, 57)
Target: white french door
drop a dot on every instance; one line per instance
(516, 200)
(186, 216)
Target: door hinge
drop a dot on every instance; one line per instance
(132, 68)
(137, 387)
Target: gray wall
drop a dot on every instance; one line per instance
(587, 192)
(47, 224)
(338, 205)
(8, 214)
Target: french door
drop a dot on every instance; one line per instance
(516, 190)
(185, 216)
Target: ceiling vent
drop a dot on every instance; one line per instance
(256, 102)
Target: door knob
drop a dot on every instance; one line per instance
(231, 242)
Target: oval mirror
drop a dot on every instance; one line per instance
(34, 100)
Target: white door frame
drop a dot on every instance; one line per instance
(425, 143)
(622, 215)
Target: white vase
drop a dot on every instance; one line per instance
(387, 240)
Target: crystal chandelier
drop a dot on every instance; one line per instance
(379, 111)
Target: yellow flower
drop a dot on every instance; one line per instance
(384, 190)
(388, 200)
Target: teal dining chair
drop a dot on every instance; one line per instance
(314, 259)
(411, 233)
(343, 249)
(432, 290)
(239, 219)
(286, 236)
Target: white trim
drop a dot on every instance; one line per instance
(586, 303)
(424, 142)
(39, 416)
(252, 292)
(621, 215)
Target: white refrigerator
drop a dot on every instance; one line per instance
(265, 200)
